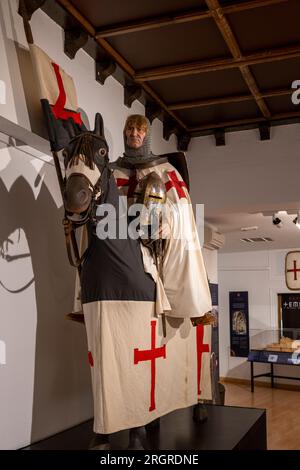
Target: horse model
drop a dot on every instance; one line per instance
(138, 374)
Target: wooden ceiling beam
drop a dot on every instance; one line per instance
(152, 23)
(225, 124)
(227, 99)
(118, 58)
(209, 102)
(277, 92)
(241, 122)
(176, 18)
(69, 7)
(242, 6)
(213, 65)
(252, 85)
(233, 45)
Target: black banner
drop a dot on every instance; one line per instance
(290, 315)
(239, 324)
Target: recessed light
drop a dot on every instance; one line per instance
(245, 229)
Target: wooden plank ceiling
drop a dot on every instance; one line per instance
(202, 66)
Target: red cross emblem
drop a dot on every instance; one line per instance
(174, 182)
(131, 183)
(91, 359)
(201, 348)
(294, 270)
(58, 108)
(151, 355)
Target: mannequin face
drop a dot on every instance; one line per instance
(135, 136)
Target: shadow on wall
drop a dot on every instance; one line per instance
(62, 395)
(62, 389)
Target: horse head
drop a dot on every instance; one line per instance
(85, 158)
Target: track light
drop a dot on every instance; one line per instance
(297, 220)
(276, 221)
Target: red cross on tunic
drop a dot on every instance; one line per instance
(201, 348)
(151, 355)
(294, 270)
(58, 108)
(131, 183)
(174, 182)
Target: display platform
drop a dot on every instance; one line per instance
(227, 428)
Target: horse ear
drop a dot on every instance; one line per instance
(98, 125)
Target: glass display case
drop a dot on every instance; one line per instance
(281, 346)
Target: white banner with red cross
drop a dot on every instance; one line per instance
(55, 85)
(292, 270)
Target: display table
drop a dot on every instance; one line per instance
(272, 357)
(226, 428)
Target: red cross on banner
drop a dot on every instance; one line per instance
(294, 270)
(131, 183)
(151, 355)
(201, 348)
(58, 108)
(91, 359)
(174, 182)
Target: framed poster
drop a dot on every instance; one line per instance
(215, 330)
(239, 324)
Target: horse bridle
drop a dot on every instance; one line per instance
(72, 222)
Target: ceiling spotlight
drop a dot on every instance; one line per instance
(276, 221)
(246, 229)
(297, 220)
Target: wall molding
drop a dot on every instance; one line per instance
(245, 268)
(259, 383)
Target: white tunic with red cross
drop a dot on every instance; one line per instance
(184, 275)
(137, 373)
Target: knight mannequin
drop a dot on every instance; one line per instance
(177, 294)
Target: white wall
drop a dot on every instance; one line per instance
(262, 274)
(247, 174)
(211, 264)
(45, 383)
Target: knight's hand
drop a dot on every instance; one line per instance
(207, 319)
